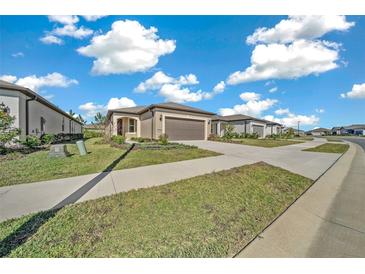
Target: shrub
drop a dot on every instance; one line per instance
(48, 139)
(163, 139)
(228, 132)
(213, 137)
(7, 132)
(88, 134)
(118, 139)
(31, 141)
(141, 139)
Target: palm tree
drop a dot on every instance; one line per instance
(81, 120)
(71, 113)
(99, 118)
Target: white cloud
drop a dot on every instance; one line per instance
(35, 83)
(300, 27)
(282, 111)
(319, 110)
(92, 17)
(357, 92)
(250, 96)
(122, 102)
(292, 119)
(64, 19)
(18, 54)
(51, 39)
(253, 106)
(8, 78)
(220, 87)
(128, 47)
(301, 58)
(274, 89)
(175, 90)
(72, 31)
(160, 78)
(90, 109)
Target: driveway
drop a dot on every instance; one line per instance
(292, 158)
(22, 199)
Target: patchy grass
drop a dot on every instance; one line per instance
(37, 166)
(329, 148)
(212, 215)
(262, 142)
(333, 139)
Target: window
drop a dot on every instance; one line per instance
(132, 125)
(63, 124)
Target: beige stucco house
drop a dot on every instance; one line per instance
(245, 124)
(178, 121)
(34, 115)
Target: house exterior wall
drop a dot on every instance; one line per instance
(16, 101)
(146, 124)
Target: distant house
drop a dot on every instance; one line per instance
(295, 131)
(357, 129)
(338, 131)
(245, 124)
(34, 115)
(319, 132)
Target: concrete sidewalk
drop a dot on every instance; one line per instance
(327, 221)
(22, 199)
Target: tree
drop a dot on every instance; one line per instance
(81, 120)
(99, 118)
(7, 132)
(71, 113)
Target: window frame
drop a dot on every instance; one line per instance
(133, 124)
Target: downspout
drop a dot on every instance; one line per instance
(153, 116)
(27, 114)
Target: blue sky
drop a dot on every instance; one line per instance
(306, 62)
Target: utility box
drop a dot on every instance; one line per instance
(58, 151)
(81, 146)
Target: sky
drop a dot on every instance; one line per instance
(285, 69)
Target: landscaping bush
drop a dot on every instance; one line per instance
(213, 137)
(48, 139)
(118, 139)
(7, 132)
(228, 132)
(31, 141)
(141, 139)
(163, 139)
(88, 134)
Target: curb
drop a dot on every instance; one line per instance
(296, 199)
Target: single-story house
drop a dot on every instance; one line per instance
(319, 132)
(245, 124)
(178, 122)
(295, 131)
(34, 115)
(356, 129)
(338, 131)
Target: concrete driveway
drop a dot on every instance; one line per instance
(292, 158)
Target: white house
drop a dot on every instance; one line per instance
(34, 115)
(245, 124)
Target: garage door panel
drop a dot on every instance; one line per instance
(259, 130)
(184, 129)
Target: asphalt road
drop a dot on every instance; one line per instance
(360, 141)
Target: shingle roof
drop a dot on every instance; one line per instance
(240, 117)
(168, 105)
(357, 126)
(31, 93)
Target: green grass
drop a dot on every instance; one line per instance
(212, 215)
(264, 142)
(329, 148)
(37, 166)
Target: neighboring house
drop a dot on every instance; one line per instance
(338, 131)
(244, 124)
(319, 132)
(358, 129)
(295, 131)
(34, 115)
(178, 121)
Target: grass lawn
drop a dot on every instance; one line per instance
(304, 138)
(264, 142)
(212, 215)
(38, 167)
(330, 148)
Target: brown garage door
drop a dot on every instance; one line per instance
(184, 129)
